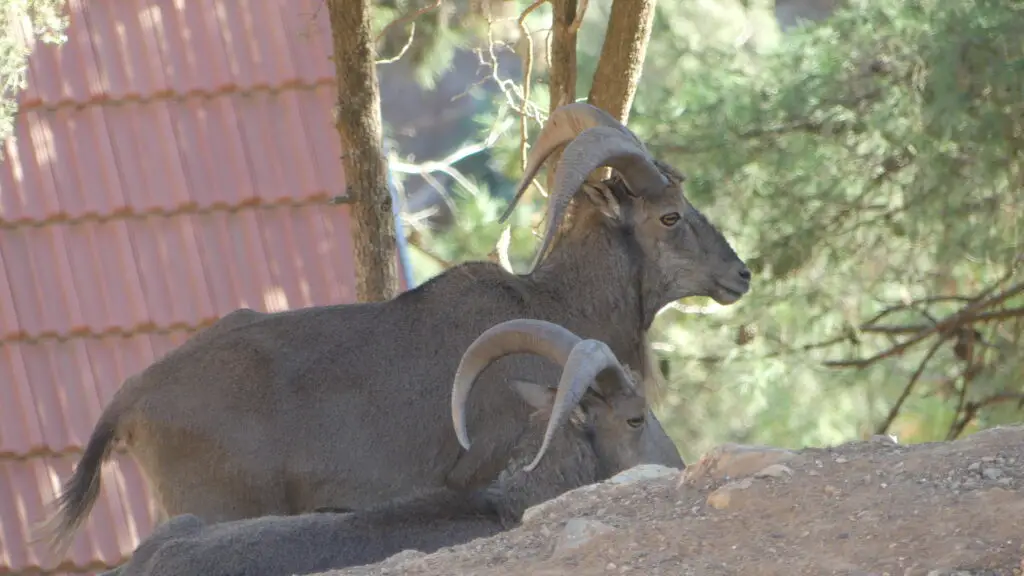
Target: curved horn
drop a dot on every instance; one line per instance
(592, 149)
(586, 361)
(563, 125)
(547, 339)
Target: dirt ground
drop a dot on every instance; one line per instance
(863, 508)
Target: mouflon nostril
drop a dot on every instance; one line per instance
(745, 274)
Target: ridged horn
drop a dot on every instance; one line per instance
(592, 149)
(521, 335)
(563, 125)
(581, 360)
(586, 361)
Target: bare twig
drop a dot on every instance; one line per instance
(894, 411)
(410, 17)
(414, 241)
(967, 314)
(578, 20)
(501, 248)
(975, 319)
(914, 303)
(527, 76)
(513, 93)
(445, 165)
(972, 409)
(404, 49)
(406, 18)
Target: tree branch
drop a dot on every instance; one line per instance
(894, 411)
(527, 77)
(996, 316)
(972, 409)
(446, 164)
(967, 315)
(513, 94)
(406, 18)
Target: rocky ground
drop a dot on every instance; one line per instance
(864, 508)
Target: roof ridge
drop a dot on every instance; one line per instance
(167, 95)
(188, 209)
(114, 331)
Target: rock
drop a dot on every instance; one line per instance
(724, 496)
(774, 471)
(579, 531)
(643, 472)
(533, 513)
(974, 467)
(812, 520)
(734, 461)
(407, 556)
(631, 476)
(992, 473)
(884, 439)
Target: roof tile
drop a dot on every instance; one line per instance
(172, 164)
(27, 488)
(324, 144)
(108, 279)
(163, 156)
(152, 273)
(140, 47)
(9, 323)
(20, 429)
(60, 387)
(26, 179)
(226, 179)
(171, 270)
(125, 49)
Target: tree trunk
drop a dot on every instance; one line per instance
(562, 67)
(615, 83)
(359, 125)
(622, 56)
(563, 53)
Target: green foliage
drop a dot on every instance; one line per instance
(858, 165)
(439, 31)
(437, 35)
(872, 160)
(43, 19)
(476, 210)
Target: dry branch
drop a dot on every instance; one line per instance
(527, 76)
(970, 412)
(446, 164)
(406, 18)
(411, 18)
(894, 411)
(978, 310)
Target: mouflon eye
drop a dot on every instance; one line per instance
(635, 422)
(670, 219)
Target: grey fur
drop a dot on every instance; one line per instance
(346, 406)
(315, 542)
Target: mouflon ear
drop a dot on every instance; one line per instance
(537, 396)
(602, 196)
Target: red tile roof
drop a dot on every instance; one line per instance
(173, 163)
